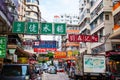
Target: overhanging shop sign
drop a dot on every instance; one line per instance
(44, 44)
(82, 38)
(44, 49)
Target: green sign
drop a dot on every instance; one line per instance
(60, 28)
(18, 27)
(46, 28)
(3, 42)
(32, 28)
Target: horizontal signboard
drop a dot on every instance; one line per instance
(44, 49)
(82, 38)
(39, 28)
(44, 44)
(94, 64)
(60, 54)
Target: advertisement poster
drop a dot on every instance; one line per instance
(94, 64)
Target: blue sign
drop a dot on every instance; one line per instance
(44, 44)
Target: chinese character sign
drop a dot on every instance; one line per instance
(3, 42)
(32, 28)
(18, 27)
(46, 28)
(60, 28)
(82, 38)
(39, 28)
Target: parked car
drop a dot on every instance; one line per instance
(60, 69)
(52, 70)
(45, 67)
(15, 72)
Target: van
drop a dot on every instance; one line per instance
(15, 72)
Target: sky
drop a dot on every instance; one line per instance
(49, 8)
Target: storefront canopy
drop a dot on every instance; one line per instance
(21, 53)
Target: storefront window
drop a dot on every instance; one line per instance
(114, 66)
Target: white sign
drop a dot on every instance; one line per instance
(94, 64)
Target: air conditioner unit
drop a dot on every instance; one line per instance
(12, 4)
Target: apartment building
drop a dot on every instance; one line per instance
(116, 27)
(66, 44)
(101, 23)
(69, 19)
(84, 21)
(72, 28)
(32, 14)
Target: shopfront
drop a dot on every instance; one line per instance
(113, 64)
(22, 56)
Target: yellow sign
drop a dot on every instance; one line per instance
(23, 60)
(69, 53)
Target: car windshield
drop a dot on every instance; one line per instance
(15, 70)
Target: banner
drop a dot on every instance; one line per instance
(82, 38)
(44, 44)
(60, 54)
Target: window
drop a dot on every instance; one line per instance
(28, 0)
(88, 1)
(106, 17)
(88, 11)
(35, 14)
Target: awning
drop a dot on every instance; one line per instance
(21, 53)
(115, 35)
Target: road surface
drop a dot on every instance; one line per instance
(58, 76)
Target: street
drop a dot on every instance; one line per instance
(58, 76)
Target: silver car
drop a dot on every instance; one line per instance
(52, 70)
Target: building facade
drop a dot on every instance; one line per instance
(84, 21)
(96, 19)
(32, 14)
(69, 19)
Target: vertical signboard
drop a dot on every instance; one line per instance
(46, 28)
(32, 28)
(18, 27)
(3, 42)
(60, 28)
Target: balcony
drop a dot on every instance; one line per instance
(116, 6)
(97, 27)
(116, 27)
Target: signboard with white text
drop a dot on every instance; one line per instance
(32, 28)
(18, 27)
(36, 28)
(60, 28)
(82, 38)
(3, 43)
(44, 44)
(46, 28)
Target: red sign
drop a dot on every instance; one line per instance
(44, 49)
(83, 38)
(112, 53)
